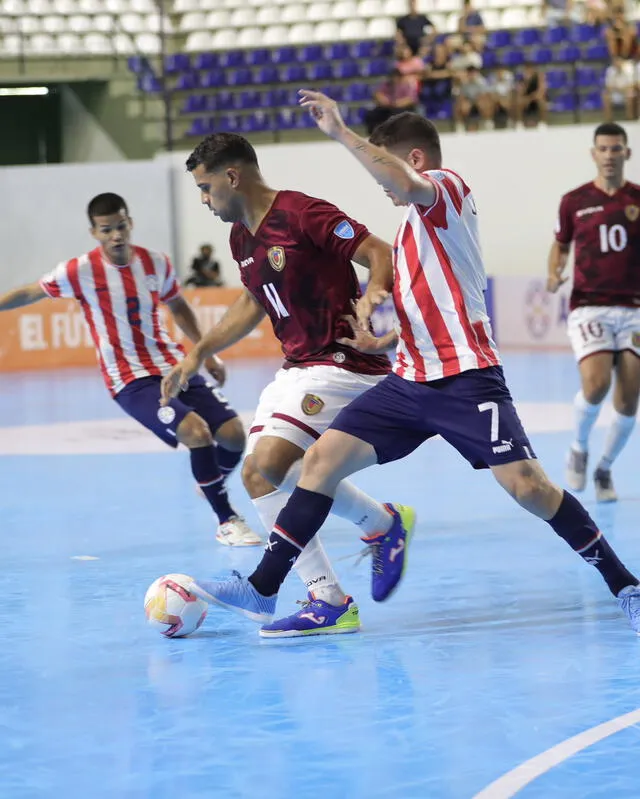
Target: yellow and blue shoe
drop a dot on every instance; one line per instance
(316, 617)
(236, 594)
(389, 551)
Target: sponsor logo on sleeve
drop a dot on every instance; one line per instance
(344, 230)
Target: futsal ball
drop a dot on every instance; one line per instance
(171, 609)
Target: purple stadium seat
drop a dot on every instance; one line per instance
(596, 52)
(284, 55)
(268, 75)
(258, 121)
(336, 51)
(149, 83)
(527, 37)
(311, 52)
(586, 76)
(591, 102)
(511, 58)
(232, 58)
(376, 67)
(256, 58)
(347, 70)
(187, 81)
(138, 65)
(213, 79)
(273, 98)
(541, 55)
(489, 59)
(556, 35)
(368, 49)
(582, 33)
(569, 52)
(177, 62)
(249, 99)
(356, 92)
(496, 39)
(200, 127)
(285, 119)
(221, 101)
(317, 72)
(194, 103)
(557, 78)
(442, 110)
(563, 103)
(336, 92)
(387, 47)
(294, 73)
(240, 77)
(205, 61)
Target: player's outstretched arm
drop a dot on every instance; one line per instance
(392, 173)
(558, 257)
(241, 318)
(377, 256)
(25, 295)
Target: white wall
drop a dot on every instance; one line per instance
(43, 212)
(517, 179)
(83, 138)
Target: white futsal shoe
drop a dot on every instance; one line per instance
(237, 533)
(576, 472)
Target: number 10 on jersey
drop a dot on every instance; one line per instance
(612, 238)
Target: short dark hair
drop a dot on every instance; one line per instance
(222, 149)
(105, 205)
(610, 129)
(409, 130)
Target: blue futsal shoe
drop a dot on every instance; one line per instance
(236, 594)
(629, 601)
(389, 551)
(316, 617)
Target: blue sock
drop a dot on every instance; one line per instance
(204, 465)
(297, 523)
(577, 528)
(227, 459)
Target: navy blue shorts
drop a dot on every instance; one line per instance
(141, 400)
(473, 411)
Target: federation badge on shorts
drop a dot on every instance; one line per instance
(276, 258)
(632, 212)
(311, 404)
(166, 414)
(635, 338)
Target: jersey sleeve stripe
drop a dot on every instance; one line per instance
(50, 288)
(454, 194)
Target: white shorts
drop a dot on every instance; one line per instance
(604, 329)
(300, 403)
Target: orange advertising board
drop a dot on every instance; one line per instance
(52, 333)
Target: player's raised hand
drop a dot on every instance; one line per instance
(178, 378)
(324, 111)
(363, 340)
(366, 305)
(216, 368)
(554, 281)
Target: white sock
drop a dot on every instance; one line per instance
(313, 565)
(349, 503)
(585, 415)
(617, 437)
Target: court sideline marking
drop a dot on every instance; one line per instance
(518, 778)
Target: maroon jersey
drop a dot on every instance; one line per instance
(606, 233)
(298, 267)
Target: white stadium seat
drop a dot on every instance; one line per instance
(293, 13)
(69, 43)
(249, 37)
(98, 43)
(223, 40)
(352, 30)
(148, 43)
(198, 41)
(41, 43)
(268, 15)
(383, 28)
(54, 24)
(326, 31)
(300, 33)
(275, 35)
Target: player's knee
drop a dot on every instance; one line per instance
(255, 484)
(317, 464)
(271, 460)
(231, 435)
(595, 388)
(194, 432)
(530, 486)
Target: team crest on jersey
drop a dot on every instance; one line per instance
(311, 404)
(276, 258)
(635, 338)
(632, 212)
(152, 282)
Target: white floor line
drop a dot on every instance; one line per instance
(515, 780)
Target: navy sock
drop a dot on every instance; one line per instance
(297, 523)
(204, 465)
(577, 528)
(227, 459)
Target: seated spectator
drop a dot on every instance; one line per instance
(619, 89)
(414, 28)
(473, 99)
(410, 66)
(471, 26)
(596, 12)
(205, 270)
(437, 84)
(502, 86)
(531, 97)
(464, 57)
(621, 35)
(392, 96)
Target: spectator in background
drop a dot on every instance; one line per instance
(471, 26)
(415, 27)
(410, 66)
(621, 35)
(463, 58)
(205, 270)
(502, 85)
(596, 12)
(619, 89)
(473, 99)
(392, 96)
(437, 85)
(559, 12)
(531, 98)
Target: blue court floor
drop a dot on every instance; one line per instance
(502, 667)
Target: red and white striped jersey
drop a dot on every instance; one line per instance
(439, 284)
(121, 308)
